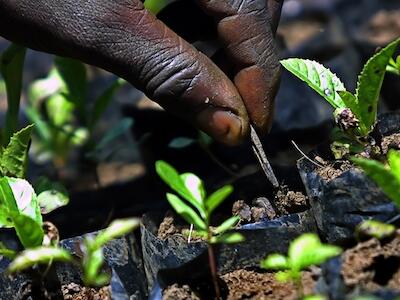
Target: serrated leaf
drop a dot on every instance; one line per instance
(216, 198)
(172, 178)
(186, 212)
(385, 179)
(41, 255)
(275, 261)
(228, 238)
(15, 156)
(11, 68)
(227, 224)
(369, 86)
(115, 230)
(319, 78)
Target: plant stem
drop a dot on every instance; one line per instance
(213, 268)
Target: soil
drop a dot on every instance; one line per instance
(390, 142)
(383, 27)
(334, 169)
(373, 264)
(73, 291)
(168, 227)
(175, 292)
(288, 201)
(244, 284)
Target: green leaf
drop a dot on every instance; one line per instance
(171, 177)
(8, 204)
(283, 276)
(386, 180)
(181, 142)
(228, 238)
(275, 262)
(186, 212)
(351, 102)
(60, 110)
(29, 232)
(315, 297)
(307, 250)
(41, 255)
(4, 251)
(115, 230)
(227, 224)
(319, 78)
(51, 195)
(376, 229)
(11, 68)
(92, 262)
(394, 163)
(155, 6)
(216, 198)
(195, 186)
(369, 86)
(41, 89)
(104, 100)
(15, 156)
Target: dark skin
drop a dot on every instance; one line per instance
(123, 38)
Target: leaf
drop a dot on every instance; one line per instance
(307, 250)
(394, 163)
(29, 232)
(4, 251)
(155, 6)
(186, 212)
(385, 179)
(15, 156)
(92, 262)
(228, 238)
(376, 229)
(369, 86)
(181, 142)
(41, 255)
(351, 102)
(104, 100)
(319, 78)
(275, 261)
(283, 276)
(195, 186)
(52, 195)
(171, 177)
(11, 68)
(116, 229)
(216, 198)
(227, 224)
(60, 110)
(44, 88)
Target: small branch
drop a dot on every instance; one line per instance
(305, 156)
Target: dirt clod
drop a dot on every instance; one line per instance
(73, 291)
(334, 170)
(167, 227)
(243, 284)
(390, 142)
(175, 292)
(287, 201)
(262, 209)
(241, 209)
(372, 265)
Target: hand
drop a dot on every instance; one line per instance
(122, 37)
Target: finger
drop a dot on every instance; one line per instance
(245, 30)
(124, 38)
(274, 10)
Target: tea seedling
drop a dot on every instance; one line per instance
(375, 229)
(355, 114)
(197, 209)
(394, 66)
(305, 251)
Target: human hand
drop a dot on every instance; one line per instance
(124, 38)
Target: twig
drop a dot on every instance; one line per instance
(302, 153)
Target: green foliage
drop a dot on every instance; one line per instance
(39, 255)
(51, 195)
(11, 68)
(155, 6)
(93, 259)
(386, 176)
(14, 158)
(305, 251)
(376, 229)
(394, 66)
(198, 208)
(363, 104)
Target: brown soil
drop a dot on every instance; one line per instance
(74, 291)
(175, 292)
(298, 32)
(372, 265)
(390, 142)
(288, 201)
(244, 284)
(384, 27)
(334, 170)
(167, 227)
(260, 210)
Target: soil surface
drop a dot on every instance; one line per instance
(384, 27)
(373, 264)
(75, 291)
(290, 201)
(243, 284)
(390, 142)
(334, 169)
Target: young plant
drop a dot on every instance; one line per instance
(375, 229)
(197, 208)
(387, 176)
(394, 66)
(305, 251)
(355, 114)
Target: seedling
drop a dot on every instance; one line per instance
(355, 114)
(305, 251)
(394, 66)
(375, 229)
(198, 210)
(386, 176)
